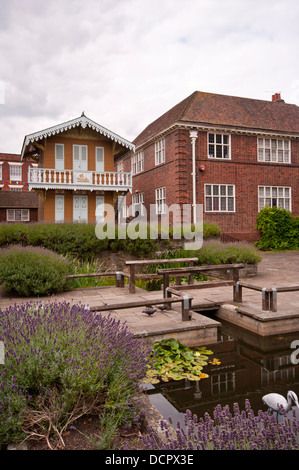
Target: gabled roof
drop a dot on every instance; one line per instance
(209, 109)
(82, 121)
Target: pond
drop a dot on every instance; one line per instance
(251, 366)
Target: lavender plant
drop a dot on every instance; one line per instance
(61, 362)
(240, 430)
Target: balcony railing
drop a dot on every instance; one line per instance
(45, 178)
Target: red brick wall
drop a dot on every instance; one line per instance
(6, 180)
(243, 171)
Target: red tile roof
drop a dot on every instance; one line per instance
(10, 157)
(18, 199)
(227, 111)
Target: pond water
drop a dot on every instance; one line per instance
(251, 366)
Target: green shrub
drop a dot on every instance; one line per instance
(62, 362)
(211, 231)
(278, 229)
(30, 271)
(228, 253)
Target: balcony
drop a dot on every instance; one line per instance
(45, 178)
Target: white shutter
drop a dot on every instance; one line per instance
(59, 156)
(100, 159)
(76, 157)
(59, 208)
(83, 157)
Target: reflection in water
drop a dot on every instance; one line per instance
(251, 366)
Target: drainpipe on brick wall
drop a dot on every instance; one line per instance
(193, 136)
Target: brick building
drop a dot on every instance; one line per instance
(17, 203)
(232, 155)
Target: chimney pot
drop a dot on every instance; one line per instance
(276, 97)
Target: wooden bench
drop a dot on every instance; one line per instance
(166, 273)
(269, 294)
(137, 263)
(185, 301)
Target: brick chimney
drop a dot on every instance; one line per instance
(276, 97)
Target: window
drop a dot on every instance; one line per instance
(274, 196)
(160, 152)
(219, 198)
(137, 163)
(137, 204)
(59, 156)
(120, 167)
(219, 146)
(17, 215)
(0, 171)
(100, 159)
(16, 172)
(161, 200)
(273, 150)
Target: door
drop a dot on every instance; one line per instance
(80, 209)
(59, 157)
(100, 159)
(59, 208)
(80, 157)
(100, 209)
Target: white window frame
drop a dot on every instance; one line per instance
(273, 150)
(126, 211)
(138, 201)
(275, 196)
(100, 159)
(137, 163)
(221, 141)
(160, 152)
(59, 157)
(18, 174)
(17, 215)
(160, 200)
(219, 197)
(1, 163)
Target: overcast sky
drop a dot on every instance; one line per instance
(126, 62)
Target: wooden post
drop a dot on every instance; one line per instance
(168, 295)
(165, 283)
(265, 299)
(119, 279)
(132, 279)
(191, 276)
(237, 290)
(186, 306)
(273, 300)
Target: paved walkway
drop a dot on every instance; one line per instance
(275, 269)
